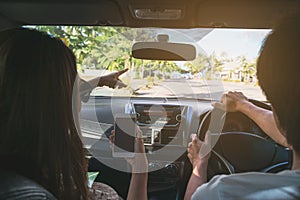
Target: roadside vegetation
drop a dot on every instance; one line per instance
(109, 48)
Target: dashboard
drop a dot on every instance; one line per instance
(166, 124)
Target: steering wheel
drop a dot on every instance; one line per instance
(238, 150)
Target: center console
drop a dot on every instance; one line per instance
(163, 126)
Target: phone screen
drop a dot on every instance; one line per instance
(124, 135)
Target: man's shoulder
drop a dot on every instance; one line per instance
(245, 184)
(249, 176)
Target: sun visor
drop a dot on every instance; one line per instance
(41, 13)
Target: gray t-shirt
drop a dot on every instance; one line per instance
(253, 185)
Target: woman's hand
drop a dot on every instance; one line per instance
(139, 162)
(112, 80)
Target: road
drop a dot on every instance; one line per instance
(194, 88)
(201, 89)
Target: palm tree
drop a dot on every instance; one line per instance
(200, 64)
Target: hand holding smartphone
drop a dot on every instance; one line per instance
(125, 134)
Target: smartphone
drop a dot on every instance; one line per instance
(125, 134)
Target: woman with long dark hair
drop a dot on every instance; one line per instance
(38, 137)
(38, 134)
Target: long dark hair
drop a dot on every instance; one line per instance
(38, 135)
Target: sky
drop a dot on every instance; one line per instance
(235, 42)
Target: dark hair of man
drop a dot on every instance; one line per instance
(278, 71)
(38, 137)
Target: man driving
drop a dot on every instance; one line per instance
(277, 68)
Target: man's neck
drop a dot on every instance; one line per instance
(296, 161)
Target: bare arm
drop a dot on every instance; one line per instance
(138, 186)
(198, 177)
(199, 162)
(139, 168)
(139, 165)
(111, 80)
(265, 120)
(236, 101)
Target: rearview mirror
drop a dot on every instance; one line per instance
(163, 51)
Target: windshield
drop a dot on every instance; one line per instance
(225, 61)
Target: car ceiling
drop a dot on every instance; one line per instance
(194, 13)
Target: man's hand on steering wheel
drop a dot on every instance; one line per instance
(198, 154)
(232, 102)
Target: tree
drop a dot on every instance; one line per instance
(216, 62)
(200, 64)
(108, 47)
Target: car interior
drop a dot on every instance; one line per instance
(159, 41)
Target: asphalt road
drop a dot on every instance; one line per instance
(194, 88)
(201, 89)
